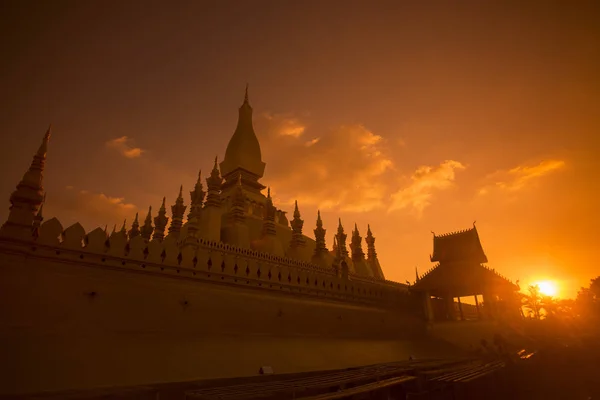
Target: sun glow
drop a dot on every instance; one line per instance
(548, 288)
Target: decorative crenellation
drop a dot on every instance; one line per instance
(454, 233)
(203, 261)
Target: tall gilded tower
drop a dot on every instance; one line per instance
(243, 156)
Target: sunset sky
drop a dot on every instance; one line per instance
(412, 116)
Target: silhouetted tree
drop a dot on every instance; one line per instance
(533, 301)
(595, 287)
(587, 302)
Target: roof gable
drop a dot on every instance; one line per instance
(458, 246)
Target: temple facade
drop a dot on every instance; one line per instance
(187, 287)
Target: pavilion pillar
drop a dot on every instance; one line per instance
(429, 316)
(488, 305)
(449, 301)
(477, 307)
(460, 310)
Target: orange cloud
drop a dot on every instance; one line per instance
(423, 184)
(124, 146)
(519, 177)
(343, 168)
(284, 125)
(88, 208)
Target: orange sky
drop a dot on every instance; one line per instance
(410, 116)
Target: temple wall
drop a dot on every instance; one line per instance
(78, 317)
(465, 334)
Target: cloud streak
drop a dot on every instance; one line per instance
(89, 208)
(124, 146)
(342, 168)
(423, 184)
(520, 177)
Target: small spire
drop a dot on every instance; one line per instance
(246, 95)
(177, 212)
(135, 227)
(123, 228)
(371, 253)
(269, 192)
(114, 229)
(43, 149)
(160, 221)
(356, 245)
(319, 220)
(297, 224)
(197, 199)
(213, 187)
(37, 220)
(147, 228)
(341, 239)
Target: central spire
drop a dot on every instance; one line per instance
(243, 155)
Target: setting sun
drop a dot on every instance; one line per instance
(547, 288)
